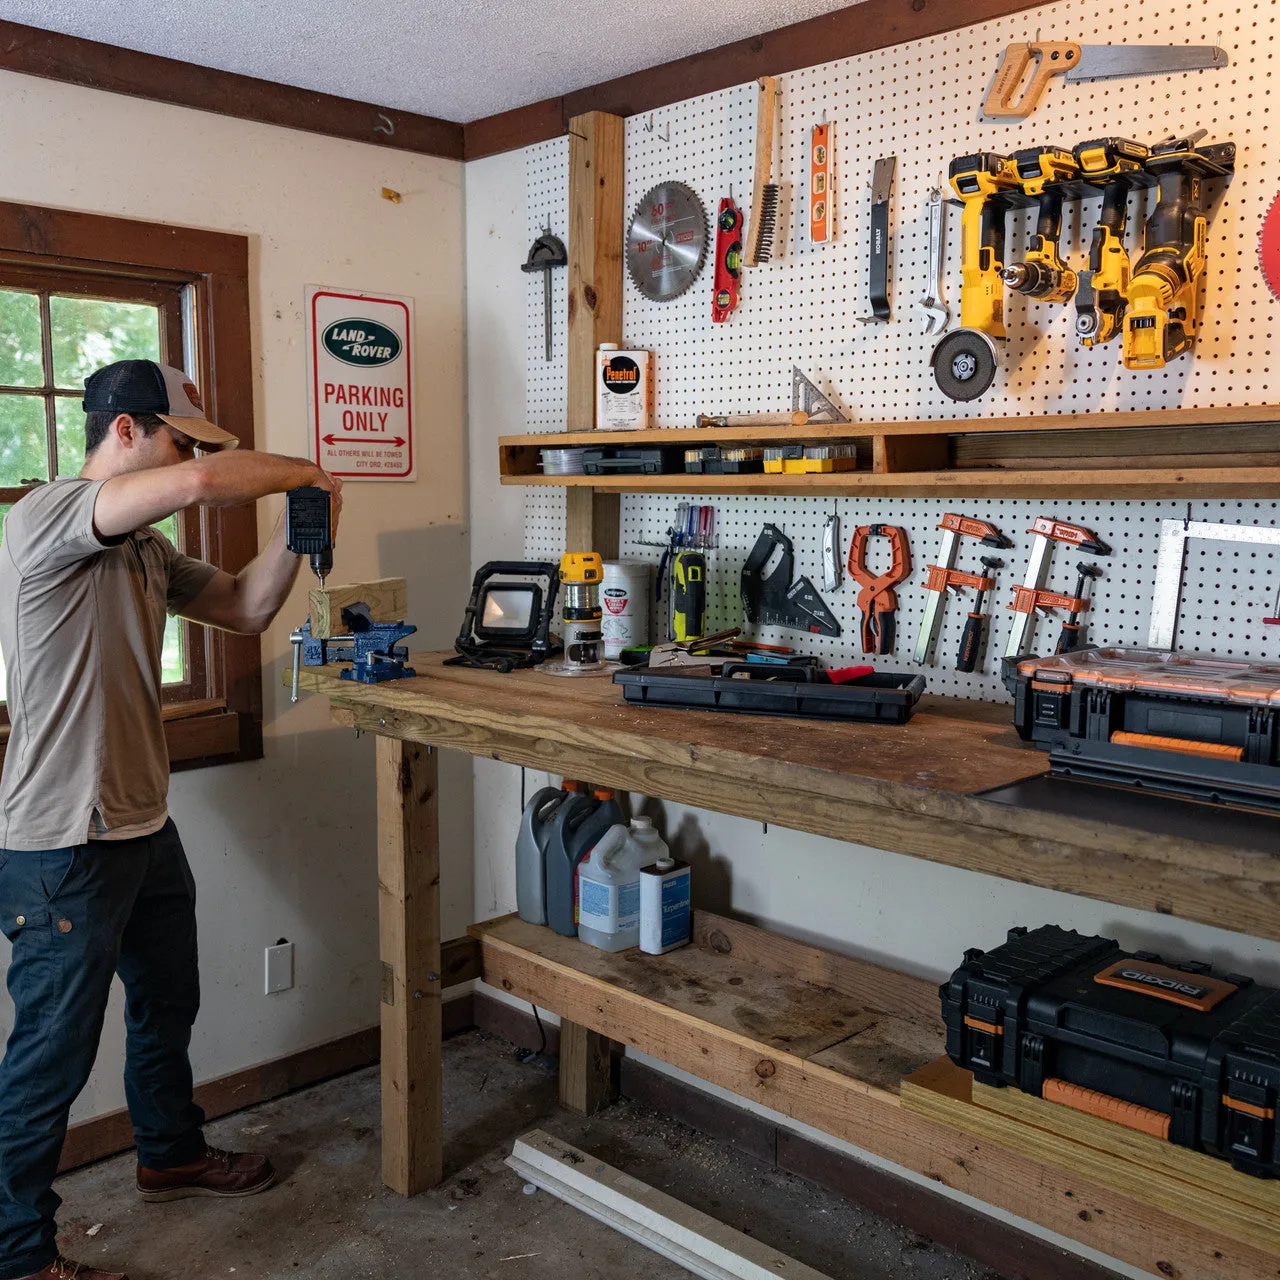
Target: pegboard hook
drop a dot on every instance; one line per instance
(651, 128)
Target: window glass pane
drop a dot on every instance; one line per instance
(70, 426)
(90, 332)
(23, 455)
(173, 666)
(20, 361)
(4, 511)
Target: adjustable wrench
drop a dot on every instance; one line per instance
(939, 314)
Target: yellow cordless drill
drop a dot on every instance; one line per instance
(1166, 289)
(1048, 175)
(1117, 166)
(964, 360)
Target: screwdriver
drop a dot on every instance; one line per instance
(1073, 629)
(971, 639)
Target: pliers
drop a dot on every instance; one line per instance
(877, 599)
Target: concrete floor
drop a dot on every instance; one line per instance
(330, 1218)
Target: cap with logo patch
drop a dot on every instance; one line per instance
(144, 386)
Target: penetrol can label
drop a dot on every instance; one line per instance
(665, 915)
(624, 389)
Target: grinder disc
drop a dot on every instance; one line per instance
(964, 364)
(1269, 248)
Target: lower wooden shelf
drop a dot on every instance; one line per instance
(827, 1039)
(1197, 1187)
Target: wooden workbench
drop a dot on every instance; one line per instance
(910, 789)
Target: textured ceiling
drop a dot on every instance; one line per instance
(458, 59)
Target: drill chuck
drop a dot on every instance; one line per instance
(1035, 279)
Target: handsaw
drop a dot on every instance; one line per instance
(1085, 62)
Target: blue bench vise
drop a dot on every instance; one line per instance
(371, 647)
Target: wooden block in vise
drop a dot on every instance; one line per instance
(387, 599)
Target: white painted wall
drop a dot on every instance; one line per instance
(906, 912)
(285, 847)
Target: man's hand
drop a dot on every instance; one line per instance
(334, 486)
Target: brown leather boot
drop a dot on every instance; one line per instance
(64, 1269)
(216, 1173)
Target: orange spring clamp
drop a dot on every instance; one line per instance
(878, 600)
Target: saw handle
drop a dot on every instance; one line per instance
(1052, 58)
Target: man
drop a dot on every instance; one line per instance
(93, 878)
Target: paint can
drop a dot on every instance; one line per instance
(625, 600)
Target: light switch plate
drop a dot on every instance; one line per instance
(279, 967)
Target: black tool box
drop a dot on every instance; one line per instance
(625, 460)
(1199, 727)
(765, 689)
(1167, 1048)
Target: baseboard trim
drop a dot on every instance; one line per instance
(1009, 1251)
(110, 1134)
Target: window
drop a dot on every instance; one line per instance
(51, 339)
(77, 292)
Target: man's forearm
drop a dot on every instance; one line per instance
(263, 585)
(237, 476)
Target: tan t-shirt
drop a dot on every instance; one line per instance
(82, 628)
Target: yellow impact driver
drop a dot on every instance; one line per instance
(1049, 176)
(1117, 166)
(1166, 290)
(964, 360)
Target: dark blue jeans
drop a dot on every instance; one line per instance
(76, 917)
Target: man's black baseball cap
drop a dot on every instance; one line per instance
(143, 386)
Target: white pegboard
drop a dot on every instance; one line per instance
(921, 102)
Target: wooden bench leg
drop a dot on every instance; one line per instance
(409, 935)
(588, 1069)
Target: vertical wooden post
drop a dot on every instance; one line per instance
(595, 254)
(596, 174)
(595, 304)
(588, 1081)
(409, 935)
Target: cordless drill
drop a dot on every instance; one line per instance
(1047, 175)
(1166, 290)
(1117, 165)
(308, 529)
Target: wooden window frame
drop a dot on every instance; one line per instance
(213, 270)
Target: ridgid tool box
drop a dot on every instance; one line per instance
(1199, 727)
(1168, 1049)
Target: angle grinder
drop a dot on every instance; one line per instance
(581, 574)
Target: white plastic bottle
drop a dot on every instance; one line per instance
(609, 885)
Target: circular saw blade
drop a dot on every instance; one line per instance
(667, 241)
(1269, 248)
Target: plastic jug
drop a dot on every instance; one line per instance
(608, 814)
(562, 852)
(531, 852)
(609, 885)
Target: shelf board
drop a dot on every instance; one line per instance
(1084, 482)
(1250, 415)
(1163, 453)
(827, 1040)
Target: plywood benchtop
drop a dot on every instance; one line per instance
(911, 789)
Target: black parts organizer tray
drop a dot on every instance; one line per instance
(886, 696)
